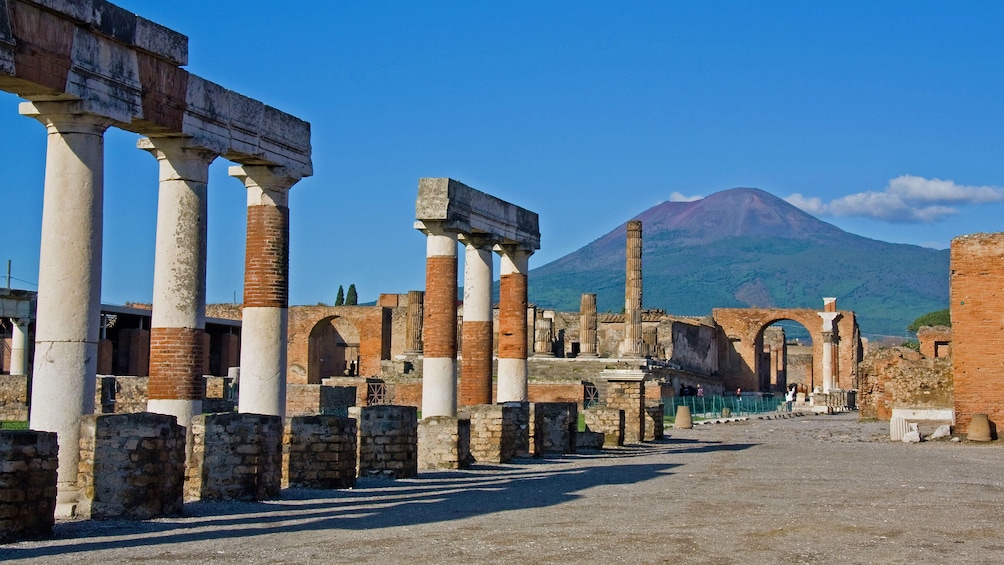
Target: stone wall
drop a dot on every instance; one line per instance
(608, 421)
(318, 334)
(387, 443)
(899, 377)
(935, 341)
(554, 426)
(13, 397)
(495, 429)
(132, 466)
(444, 442)
(977, 308)
(655, 422)
(306, 400)
(800, 368)
(319, 452)
(628, 396)
(234, 457)
(28, 462)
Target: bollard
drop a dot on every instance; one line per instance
(683, 420)
(726, 412)
(979, 428)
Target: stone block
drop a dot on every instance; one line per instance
(234, 457)
(555, 427)
(387, 443)
(608, 421)
(319, 452)
(444, 442)
(28, 461)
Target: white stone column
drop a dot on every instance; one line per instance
(829, 329)
(69, 279)
(19, 346)
(512, 367)
(265, 317)
(439, 328)
(177, 327)
(476, 368)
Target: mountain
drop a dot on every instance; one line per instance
(747, 248)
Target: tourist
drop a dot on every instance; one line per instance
(789, 397)
(700, 390)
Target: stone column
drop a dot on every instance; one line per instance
(69, 279)
(19, 346)
(631, 347)
(413, 328)
(543, 332)
(829, 331)
(476, 367)
(587, 325)
(178, 322)
(439, 323)
(266, 290)
(512, 369)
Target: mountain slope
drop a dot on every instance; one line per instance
(745, 247)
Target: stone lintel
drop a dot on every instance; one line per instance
(18, 304)
(471, 211)
(636, 375)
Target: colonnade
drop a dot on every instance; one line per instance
(450, 213)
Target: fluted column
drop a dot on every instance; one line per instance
(69, 278)
(19, 346)
(266, 290)
(512, 368)
(439, 325)
(543, 337)
(177, 327)
(632, 345)
(828, 333)
(413, 328)
(476, 367)
(587, 325)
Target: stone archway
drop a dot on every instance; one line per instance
(743, 346)
(332, 349)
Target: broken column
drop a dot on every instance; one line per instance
(266, 289)
(587, 325)
(476, 368)
(178, 319)
(512, 367)
(69, 277)
(632, 344)
(413, 328)
(829, 316)
(543, 337)
(439, 325)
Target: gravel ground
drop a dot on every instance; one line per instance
(812, 489)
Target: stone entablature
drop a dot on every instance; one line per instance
(460, 208)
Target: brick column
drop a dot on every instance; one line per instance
(413, 329)
(512, 369)
(476, 368)
(439, 324)
(69, 278)
(266, 290)
(19, 346)
(178, 323)
(631, 347)
(587, 325)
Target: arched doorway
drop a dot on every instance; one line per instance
(333, 349)
(785, 356)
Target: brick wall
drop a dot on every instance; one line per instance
(899, 377)
(266, 262)
(935, 341)
(607, 421)
(444, 442)
(177, 356)
(496, 432)
(977, 308)
(628, 396)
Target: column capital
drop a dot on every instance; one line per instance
(478, 240)
(267, 185)
(71, 116)
(179, 152)
(829, 319)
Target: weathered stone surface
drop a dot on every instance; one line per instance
(444, 442)
(608, 421)
(319, 452)
(387, 444)
(28, 461)
(234, 457)
(462, 208)
(899, 377)
(131, 466)
(554, 425)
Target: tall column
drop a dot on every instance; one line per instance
(413, 327)
(19, 346)
(512, 368)
(476, 367)
(178, 323)
(69, 279)
(631, 347)
(266, 290)
(829, 333)
(439, 325)
(543, 337)
(587, 325)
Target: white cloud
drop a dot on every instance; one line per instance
(679, 197)
(906, 199)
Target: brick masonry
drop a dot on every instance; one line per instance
(266, 263)
(319, 452)
(655, 423)
(13, 397)
(132, 466)
(439, 326)
(496, 430)
(28, 462)
(177, 358)
(976, 288)
(476, 366)
(234, 457)
(387, 445)
(608, 421)
(628, 396)
(899, 377)
(512, 317)
(935, 341)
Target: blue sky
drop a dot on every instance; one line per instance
(886, 119)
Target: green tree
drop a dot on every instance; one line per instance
(938, 318)
(340, 297)
(351, 299)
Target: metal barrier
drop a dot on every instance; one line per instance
(715, 406)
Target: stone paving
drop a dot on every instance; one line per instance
(812, 489)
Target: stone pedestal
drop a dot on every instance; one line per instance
(496, 431)
(28, 461)
(387, 442)
(608, 421)
(625, 390)
(234, 457)
(444, 442)
(554, 425)
(319, 452)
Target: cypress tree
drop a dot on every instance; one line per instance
(351, 299)
(340, 297)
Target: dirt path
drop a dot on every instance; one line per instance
(818, 489)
